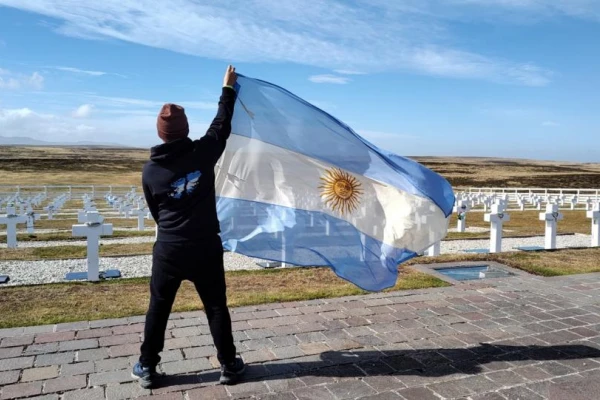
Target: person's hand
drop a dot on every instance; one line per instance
(230, 76)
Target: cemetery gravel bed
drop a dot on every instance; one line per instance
(508, 244)
(51, 271)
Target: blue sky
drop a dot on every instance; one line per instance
(502, 78)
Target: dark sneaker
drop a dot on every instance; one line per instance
(146, 376)
(231, 373)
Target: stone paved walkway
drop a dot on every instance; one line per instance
(515, 338)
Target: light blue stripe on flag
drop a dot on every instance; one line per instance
(298, 186)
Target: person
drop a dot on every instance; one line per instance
(179, 186)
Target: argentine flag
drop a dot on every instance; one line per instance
(298, 186)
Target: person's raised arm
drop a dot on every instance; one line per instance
(212, 144)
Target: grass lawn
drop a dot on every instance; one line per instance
(70, 252)
(68, 302)
(543, 263)
(67, 224)
(67, 236)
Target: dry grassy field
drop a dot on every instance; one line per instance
(122, 166)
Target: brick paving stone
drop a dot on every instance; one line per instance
(313, 348)
(81, 368)
(125, 391)
(111, 364)
(584, 332)
(125, 329)
(72, 326)
(21, 390)
(532, 373)
(169, 396)
(108, 322)
(350, 389)
(314, 393)
(285, 384)
(78, 344)
(8, 364)
(417, 394)
(85, 394)
(196, 352)
(41, 348)
(94, 333)
(10, 332)
(9, 377)
(54, 337)
(39, 374)
(506, 378)
(284, 341)
(382, 396)
(114, 340)
(287, 352)
(488, 396)
(65, 383)
(92, 355)
(16, 341)
(247, 389)
(11, 352)
(276, 396)
(256, 344)
(43, 360)
(186, 366)
(258, 356)
(179, 383)
(520, 393)
(103, 378)
(125, 350)
(556, 369)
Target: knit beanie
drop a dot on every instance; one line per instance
(172, 122)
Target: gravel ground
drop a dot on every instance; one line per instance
(39, 272)
(508, 244)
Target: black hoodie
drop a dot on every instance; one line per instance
(179, 180)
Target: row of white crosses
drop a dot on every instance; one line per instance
(498, 216)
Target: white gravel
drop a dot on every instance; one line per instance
(509, 244)
(39, 272)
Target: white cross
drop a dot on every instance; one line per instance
(31, 218)
(462, 208)
(50, 211)
(92, 230)
(496, 218)
(551, 216)
(140, 213)
(127, 210)
(11, 219)
(595, 216)
(573, 202)
(433, 250)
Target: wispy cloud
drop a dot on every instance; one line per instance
(83, 111)
(363, 35)
(14, 81)
(86, 72)
(348, 72)
(339, 80)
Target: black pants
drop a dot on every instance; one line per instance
(200, 262)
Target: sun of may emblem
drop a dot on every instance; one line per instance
(341, 191)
